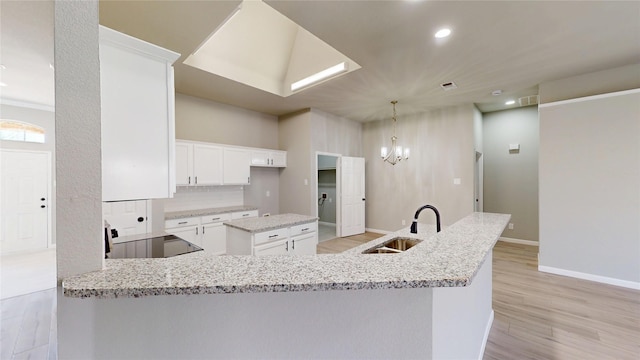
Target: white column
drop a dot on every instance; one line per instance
(79, 231)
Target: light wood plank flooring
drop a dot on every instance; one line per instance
(339, 245)
(546, 316)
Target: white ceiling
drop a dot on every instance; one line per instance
(507, 45)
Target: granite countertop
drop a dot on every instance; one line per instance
(210, 211)
(449, 258)
(266, 223)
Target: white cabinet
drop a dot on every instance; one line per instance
(214, 234)
(137, 116)
(294, 240)
(268, 158)
(207, 231)
(198, 164)
(236, 166)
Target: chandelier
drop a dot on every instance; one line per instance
(396, 154)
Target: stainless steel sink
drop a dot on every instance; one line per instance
(393, 246)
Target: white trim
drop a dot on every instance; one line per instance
(485, 338)
(378, 231)
(584, 276)
(120, 40)
(519, 241)
(590, 98)
(26, 104)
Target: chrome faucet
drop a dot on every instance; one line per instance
(414, 224)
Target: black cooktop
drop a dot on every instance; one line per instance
(155, 247)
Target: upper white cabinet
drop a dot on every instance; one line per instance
(199, 163)
(137, 112)
(236, 168)
(268, 158)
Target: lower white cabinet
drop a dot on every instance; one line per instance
(294, 240)
(207, 232)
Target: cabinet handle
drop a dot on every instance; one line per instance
(273, 236)
(216, 218)
(196, 180)
(293, 244)
(287, 246)
(305, 229)
(245, 215)
(203, 230)
(196, 230)
(182, 222)
(189, 181)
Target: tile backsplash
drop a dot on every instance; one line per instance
(204, 197)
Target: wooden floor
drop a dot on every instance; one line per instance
(339, 245)
(546, 316)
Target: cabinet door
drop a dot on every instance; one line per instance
(304, 244)
(279, 158)
(259, 158)
(136, 92)
(275, 248)
(214, 238)
(188, 233)
(184, 164)
(236, 166)
(207, 165)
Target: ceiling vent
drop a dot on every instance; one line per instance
(528, 100)
(448, 86)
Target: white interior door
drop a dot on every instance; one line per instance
(128, 217)
(350, 174)
(24, 208)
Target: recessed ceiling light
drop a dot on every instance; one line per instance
(496, 92)
(510, 102)
(443, 33)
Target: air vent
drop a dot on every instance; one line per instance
(448, 86)
(528, 100)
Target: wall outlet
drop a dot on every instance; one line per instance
(404, 222)
(324, 195)
(268, 193)
(457, 181)
(306, 181)
(510, 226)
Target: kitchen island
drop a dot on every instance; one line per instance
(431, 301)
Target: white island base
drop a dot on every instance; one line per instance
(424, 323)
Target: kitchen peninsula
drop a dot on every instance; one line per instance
(431, 301)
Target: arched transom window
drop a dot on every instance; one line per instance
(21, 131)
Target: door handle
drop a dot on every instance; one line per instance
(140, 219)
(293, 244)
(42, 199)
(42, 206)
(362, 199)
(287, 246)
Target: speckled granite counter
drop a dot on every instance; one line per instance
(449, 258)
(203, 212)
(272, 222)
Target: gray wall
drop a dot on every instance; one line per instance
(46, 120)
(204, 120)
(327, 184)
(589, 192)
(442, 149)
(511, 178)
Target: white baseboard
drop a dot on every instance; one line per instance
(519, 241)
(487, 330)
(377, 231)
(584, 276)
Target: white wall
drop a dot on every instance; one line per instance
(589, 188)
(511, 177)
(442, 149)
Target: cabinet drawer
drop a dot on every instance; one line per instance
(303, 229)
(267, 236)
(244, 214)
(173, 223)
(208, 219)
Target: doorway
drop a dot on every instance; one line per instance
(25, 215)
(327, 196)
